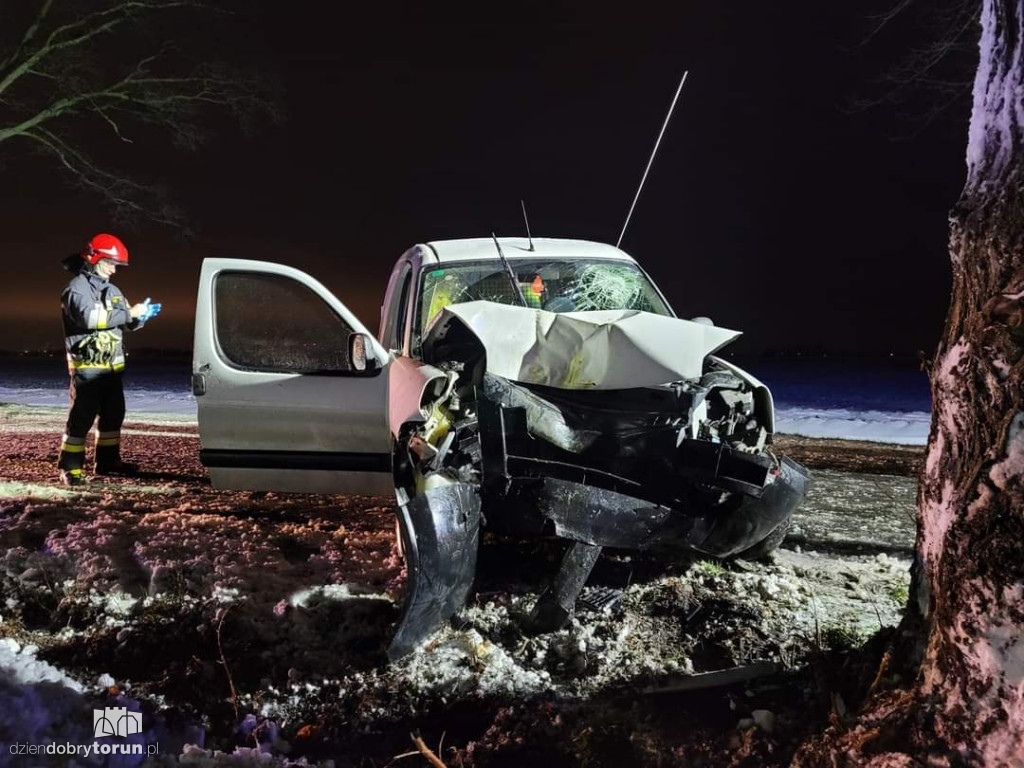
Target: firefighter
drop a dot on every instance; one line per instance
(95, 315)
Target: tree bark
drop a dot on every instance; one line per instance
(965, 621)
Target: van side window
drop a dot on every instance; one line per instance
(266, 322)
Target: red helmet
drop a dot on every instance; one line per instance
(106, 247)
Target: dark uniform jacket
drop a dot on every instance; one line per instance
(95, 314)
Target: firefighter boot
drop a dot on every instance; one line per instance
(72, 477)
(71, 461)
(108, 457)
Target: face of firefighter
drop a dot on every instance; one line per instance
(106, 268)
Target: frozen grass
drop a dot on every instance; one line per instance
(12, 489)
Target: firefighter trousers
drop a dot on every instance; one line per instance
(92, 394)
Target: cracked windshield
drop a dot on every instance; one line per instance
(570, 285)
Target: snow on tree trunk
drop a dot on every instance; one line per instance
(970, 593)
(965, 620)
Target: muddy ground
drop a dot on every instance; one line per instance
(258, 621)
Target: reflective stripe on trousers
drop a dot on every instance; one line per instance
(72, 444)
(110, 437)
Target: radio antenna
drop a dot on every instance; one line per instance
(527, 220)
(508, 271)
(651, 160)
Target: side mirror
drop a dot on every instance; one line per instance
(360, 353)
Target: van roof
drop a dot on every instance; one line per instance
(478, 248)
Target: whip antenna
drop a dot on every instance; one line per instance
(651, 160)
(527, 220)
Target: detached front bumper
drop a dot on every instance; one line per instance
(440, 531)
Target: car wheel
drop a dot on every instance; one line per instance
(767, 545)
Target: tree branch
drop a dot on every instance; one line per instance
(883, 20)
(925, 81)
(123, 194)
(30, 33)
(117, 130)
(159, 95)
(107, 21)
(57, 79)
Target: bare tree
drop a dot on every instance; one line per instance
(931, 80)
(963, 637)
(83, 74)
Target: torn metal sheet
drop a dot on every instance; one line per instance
(612, 349)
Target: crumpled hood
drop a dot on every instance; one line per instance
(612, 349)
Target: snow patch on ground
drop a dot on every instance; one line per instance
(16, 490)
(19, 663)
(908, 428)
(465, 664)
(308, 598)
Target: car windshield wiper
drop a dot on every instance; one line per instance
(509, 272)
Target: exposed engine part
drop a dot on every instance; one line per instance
(723, 409)
(600, 599)
(444, 447)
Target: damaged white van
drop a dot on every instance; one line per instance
(537, 386)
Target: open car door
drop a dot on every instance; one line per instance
(281, 407)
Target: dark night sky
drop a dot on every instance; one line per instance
(770, 208)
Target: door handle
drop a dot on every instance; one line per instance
(198, 384)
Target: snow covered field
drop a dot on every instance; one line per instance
(905, 428)
(810, 400)
(138, 399)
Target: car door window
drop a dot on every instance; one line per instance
(268, 322)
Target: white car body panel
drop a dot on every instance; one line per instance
(260, 422)
(409, 381)
(612, 349)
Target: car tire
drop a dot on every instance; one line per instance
(764, 548)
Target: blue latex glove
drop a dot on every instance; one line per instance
(152, 310)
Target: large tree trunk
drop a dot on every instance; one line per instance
(966, 614)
